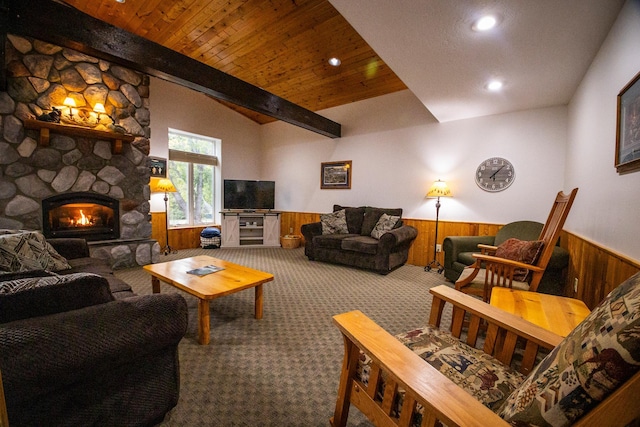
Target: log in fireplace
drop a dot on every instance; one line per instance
(87, 215)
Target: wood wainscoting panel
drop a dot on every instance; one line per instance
(180, 238)
(421, 252)
(291, 222)
(598, 269)
(158, 227)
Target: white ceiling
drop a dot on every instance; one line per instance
(541, 49)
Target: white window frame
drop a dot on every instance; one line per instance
(191, 158)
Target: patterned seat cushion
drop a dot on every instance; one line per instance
(590, 363)
(478, 373)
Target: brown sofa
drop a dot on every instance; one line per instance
(355, 246)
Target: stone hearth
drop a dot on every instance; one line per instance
(40, 76)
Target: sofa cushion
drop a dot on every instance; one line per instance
(522, 251)
(355, 217)
(28, 250)
(596, 358)
(39, 296)
(372, 215)
(466, 257)
(364, 244)
(334, 223)
(384, 224)
(330, 241)
(119, 288)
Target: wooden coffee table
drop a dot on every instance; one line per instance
(234, 278)
(554, 313)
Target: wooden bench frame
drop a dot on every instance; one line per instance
(443, 401)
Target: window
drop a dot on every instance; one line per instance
(195, 172)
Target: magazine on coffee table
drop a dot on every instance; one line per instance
(207, 269)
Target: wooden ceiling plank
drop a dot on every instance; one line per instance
(138, 13)
(187, 34)
(207, 40)
(270, 31)
(186, 22)
(298, 40)
(169, 18)
(40, 19)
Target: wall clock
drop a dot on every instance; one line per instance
(495, 174)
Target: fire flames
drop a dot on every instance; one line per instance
(82, 220)
(79, 215)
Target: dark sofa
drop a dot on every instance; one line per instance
(355, 246)
(79, 348)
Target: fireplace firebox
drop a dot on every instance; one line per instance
(87, 215)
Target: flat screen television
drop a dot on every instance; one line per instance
(249, 195)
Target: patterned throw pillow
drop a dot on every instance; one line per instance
(16, 254)
(334, 223)
(384, 224)
(591, 362)
(28, 250)
(522, 251)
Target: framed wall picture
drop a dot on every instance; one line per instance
(158, 167)
(335, 175)
(628, 127)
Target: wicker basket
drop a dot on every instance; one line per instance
(290, 241)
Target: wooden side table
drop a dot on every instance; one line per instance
(557, 314)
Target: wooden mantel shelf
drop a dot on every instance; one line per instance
(46, 127)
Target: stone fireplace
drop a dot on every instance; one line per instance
(77, 162)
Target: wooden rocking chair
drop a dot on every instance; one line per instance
(490, 270)
(401, 384)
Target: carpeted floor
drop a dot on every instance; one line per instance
(283, 370)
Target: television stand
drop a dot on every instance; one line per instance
(250, 229)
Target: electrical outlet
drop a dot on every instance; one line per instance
(438, 248)
(575, 285)
(291, 230)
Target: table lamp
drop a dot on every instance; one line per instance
(164, 185)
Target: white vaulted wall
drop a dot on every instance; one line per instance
(394, 165)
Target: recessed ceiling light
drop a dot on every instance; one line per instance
(121, 1)
(494, 85)
(485, 23)
(334, 62)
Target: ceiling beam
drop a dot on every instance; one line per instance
(65, 26)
